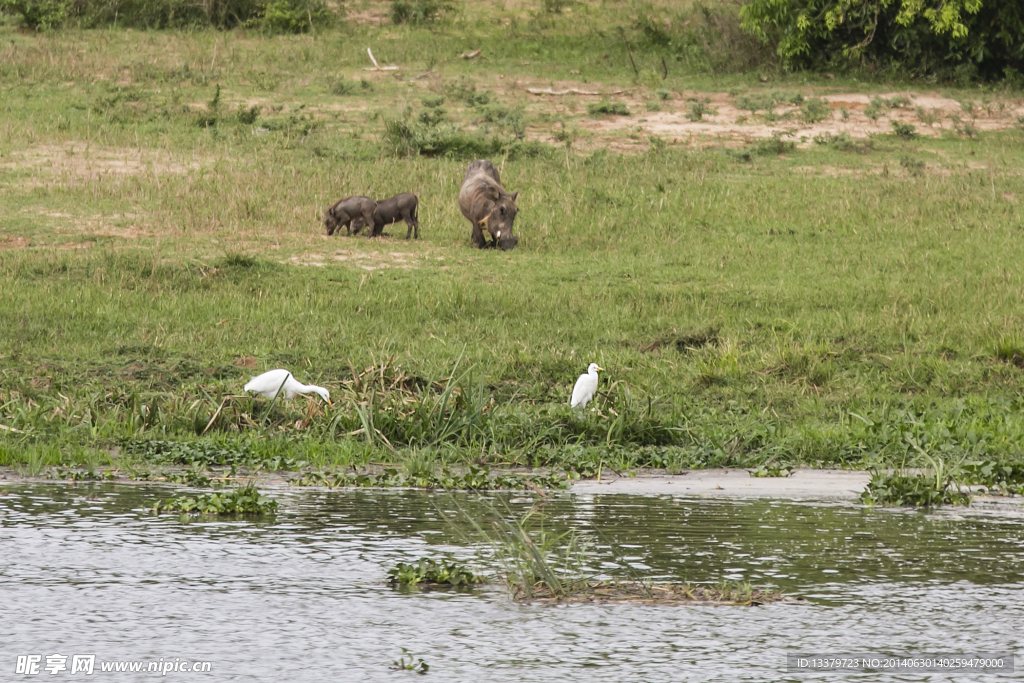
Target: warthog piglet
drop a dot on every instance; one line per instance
(347, 209)
(401, 207)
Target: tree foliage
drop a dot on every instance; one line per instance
(983, 37)
(277, 16)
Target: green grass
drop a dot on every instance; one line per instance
(807, 306)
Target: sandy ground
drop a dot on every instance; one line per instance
(817, 484)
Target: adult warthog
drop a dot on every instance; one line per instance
(401, 207)
(488, 206)
(347, 209)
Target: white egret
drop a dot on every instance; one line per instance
(280, 382)
(586, 387)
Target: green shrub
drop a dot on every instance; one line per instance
(703, 35)
(512, 120)
(417, 11)
(843, 142)
(556, 6)
(248, 116)
(959, 39)
(280, 16)
(878, 106)
(815, 110)
(294, 16)
(602, 108)
(904, 131)
(754, 103)
(914, 167)
(38, 14)
(696, 110)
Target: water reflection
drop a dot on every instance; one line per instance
(302, 597)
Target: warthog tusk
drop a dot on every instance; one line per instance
(499, 233)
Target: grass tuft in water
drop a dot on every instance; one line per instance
(409, 662)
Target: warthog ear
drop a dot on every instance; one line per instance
(514, 195)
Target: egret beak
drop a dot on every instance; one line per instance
(600, 368)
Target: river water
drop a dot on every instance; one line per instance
(303, 596)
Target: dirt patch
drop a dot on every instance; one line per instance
(14, 243)
(245, 362)
(931, 115)
(363, 260)
(77, 160)
(91, 226)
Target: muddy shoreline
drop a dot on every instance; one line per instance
(802, 484)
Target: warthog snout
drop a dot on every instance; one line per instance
(507, 242)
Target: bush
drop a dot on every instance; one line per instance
(280, 16)
(703, 34)
(904, 131)
(815, 110)
(448, 140)
(417, 11)
(37, 14)
(601, 108)
(959, 39)
(696, 110)
(294, 16)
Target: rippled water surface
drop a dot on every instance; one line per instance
(303, 596)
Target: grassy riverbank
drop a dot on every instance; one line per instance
(755, 298)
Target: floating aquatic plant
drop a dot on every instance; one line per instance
(429, 571)
(246, 500)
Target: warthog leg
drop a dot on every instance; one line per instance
(410, 219)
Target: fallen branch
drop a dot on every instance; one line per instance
(570, 91)
(376, 66)
(471, 55)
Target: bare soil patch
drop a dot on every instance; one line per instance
(78, 160)
(362, 260)
(734, 126)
